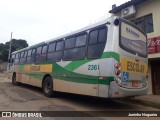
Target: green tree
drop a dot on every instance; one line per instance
(2, 52)
(16, 45)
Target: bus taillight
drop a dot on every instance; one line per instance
(118, 73)
(118, 69)
(118, 66)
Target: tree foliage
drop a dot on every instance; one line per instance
(16, 45)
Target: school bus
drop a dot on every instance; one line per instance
(107, 59)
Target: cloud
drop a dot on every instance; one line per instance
(40, 20)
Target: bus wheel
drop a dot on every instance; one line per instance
(48, 87)
(14, 82)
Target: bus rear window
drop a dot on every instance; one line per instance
(132, 39)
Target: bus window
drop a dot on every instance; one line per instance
(33, 52)
(25, 54)
(17, 55)
(22, 54)
(41, 55)
(80, 40)
(70, 42)
(29, 52)
(33, 55)
(38, 54)
(17, 58)
(59, 45)
(52, 47)
(102, 35)
(39, 49)
(44, 49)
(97, 40)
(29, 56)
(56, 54)
(22, 58)
(77, 48)
(93, 37)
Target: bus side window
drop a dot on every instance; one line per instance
(75, 47)
(39, 50)
(25, 55)
(17, 58)
(51, 50)
(55, 51)
(41, 54)
(21, 57)
(96, 44)
(93, 37)
(81, 40)
(33, 56)
(52, 47)
(44, 53)
(70, 43)
(29, 56)
(38, 54)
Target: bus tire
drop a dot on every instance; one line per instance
(14, 82)
(48, 87)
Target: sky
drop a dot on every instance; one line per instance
(40, 20)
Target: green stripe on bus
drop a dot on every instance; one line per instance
(75, 64)
(59, 72)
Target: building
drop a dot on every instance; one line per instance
(146, 15)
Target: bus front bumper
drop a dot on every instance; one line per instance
(116, 91)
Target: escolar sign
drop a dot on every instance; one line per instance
(38, 68)
(133, 66)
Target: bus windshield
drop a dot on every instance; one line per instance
(132, 39)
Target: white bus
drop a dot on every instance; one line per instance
(107, 59)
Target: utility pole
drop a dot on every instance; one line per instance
(9, 54)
